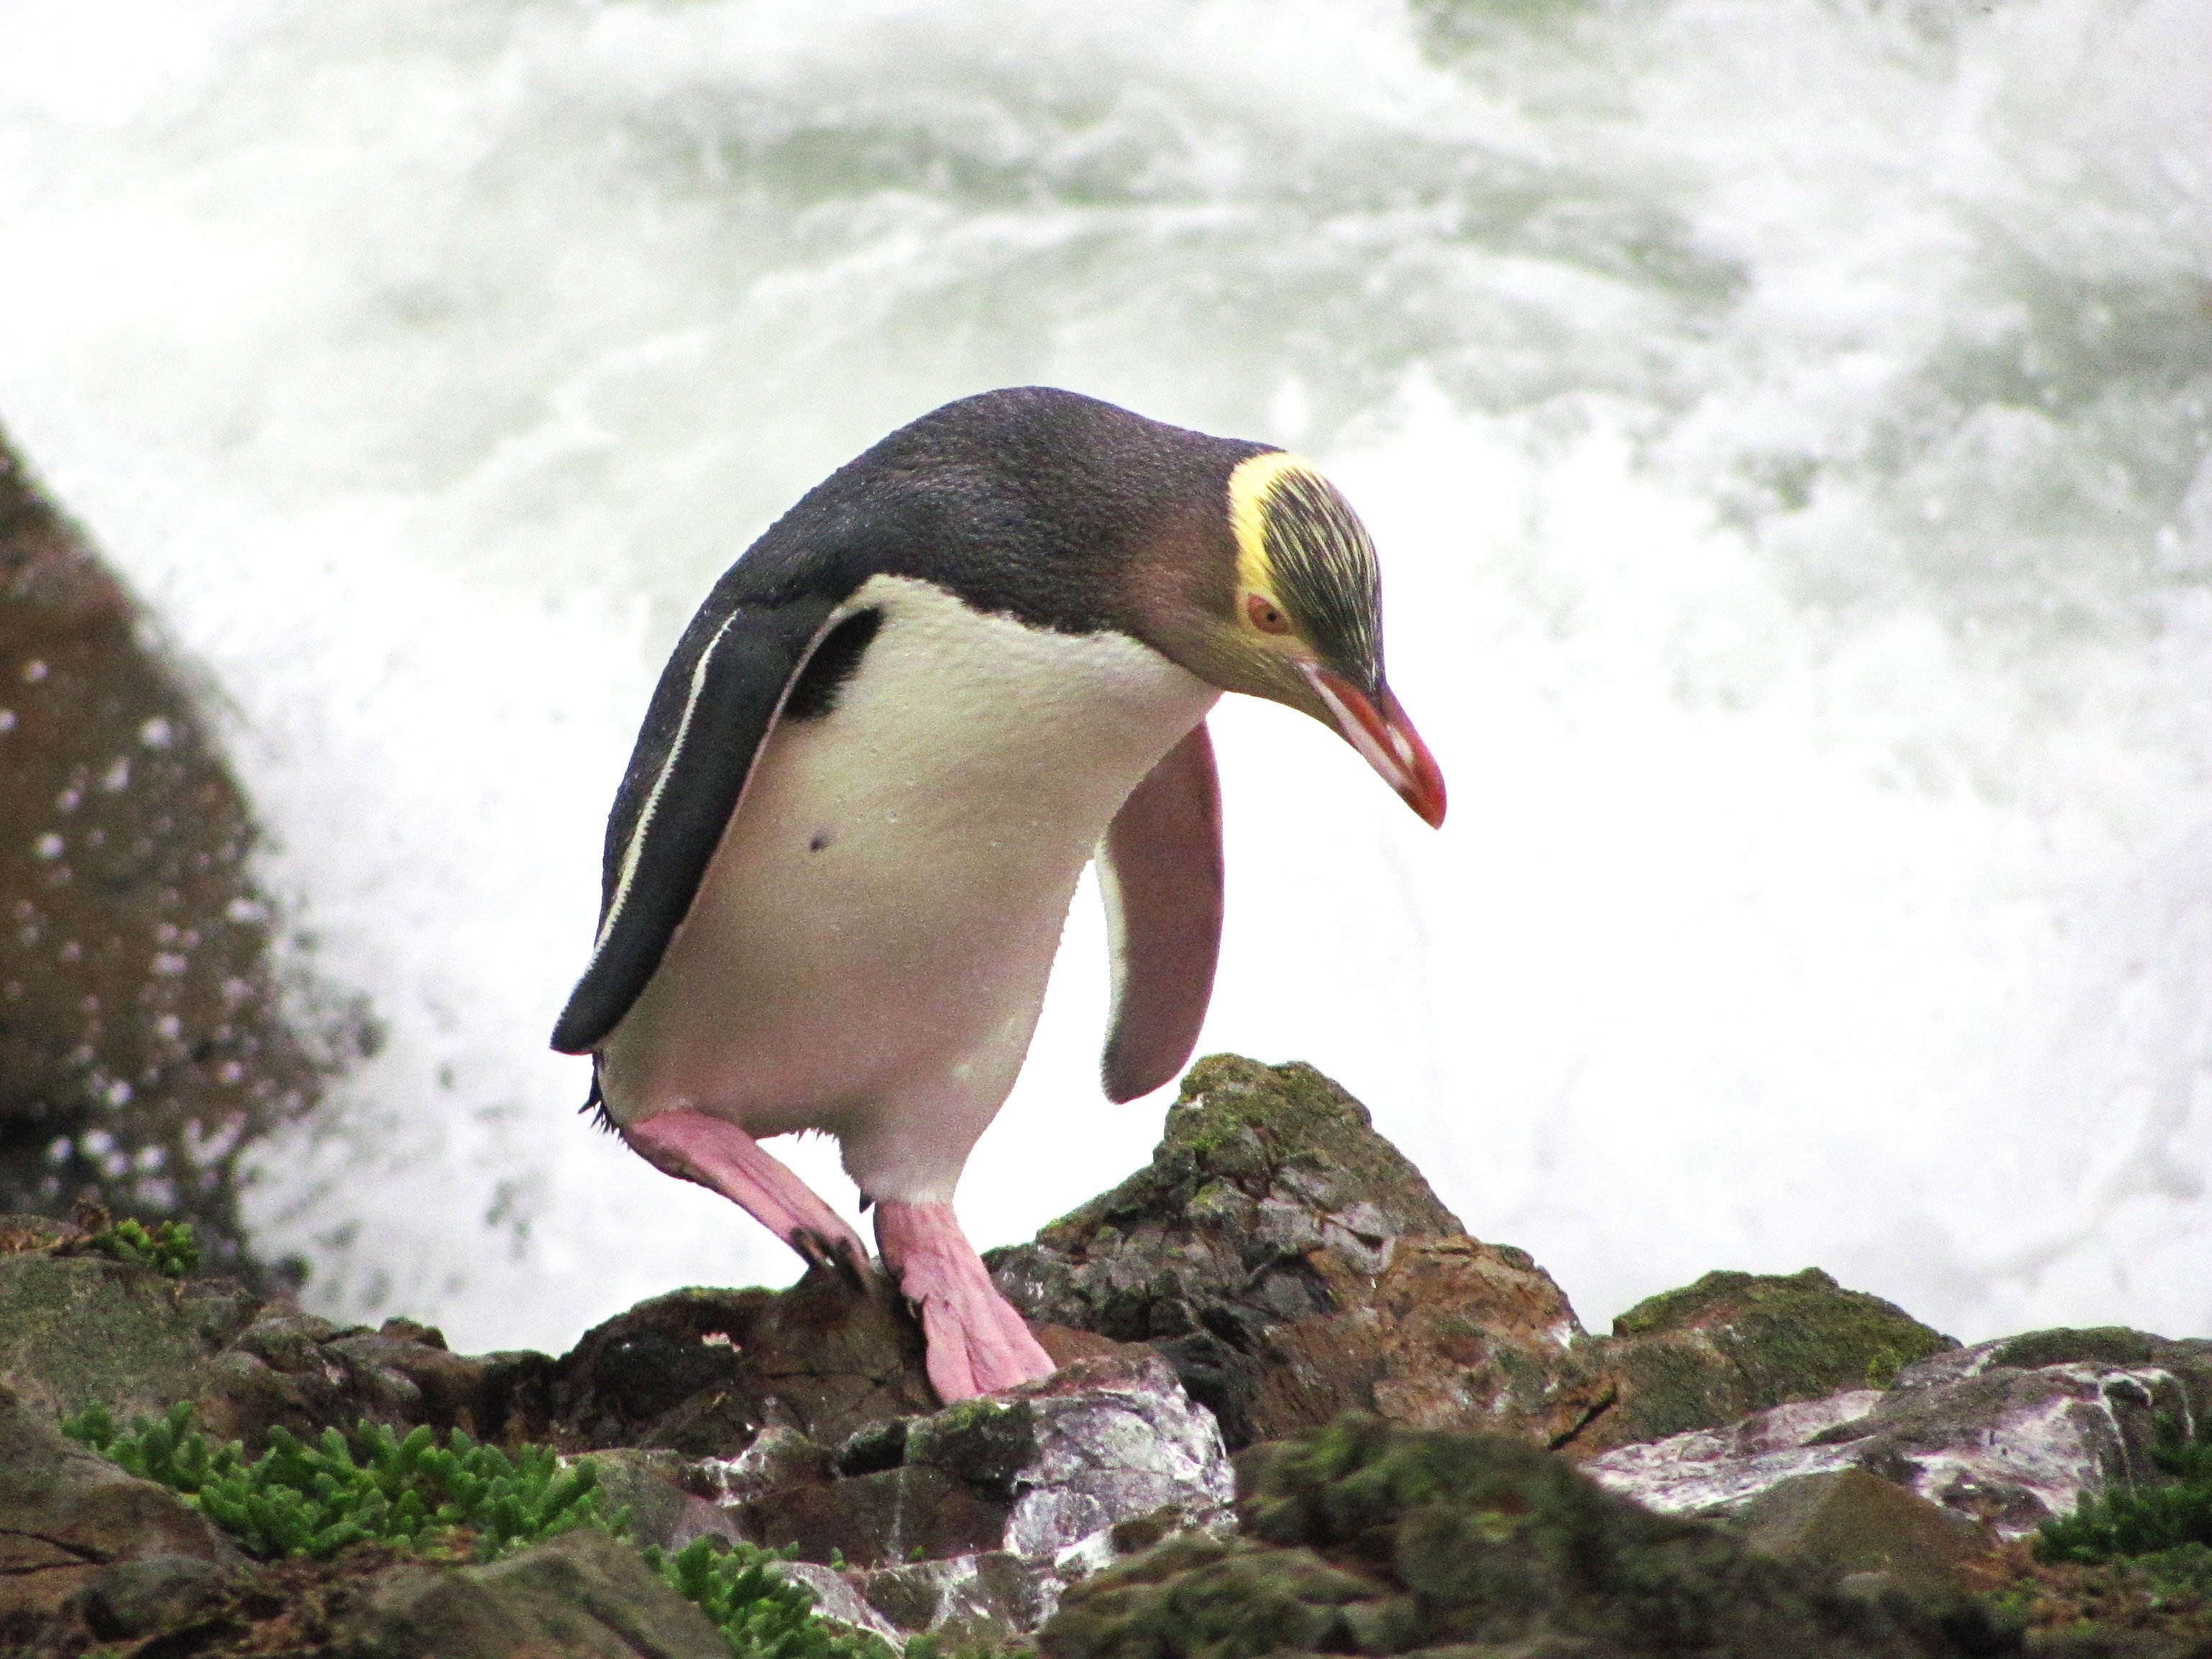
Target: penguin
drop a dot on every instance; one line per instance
(972, 660)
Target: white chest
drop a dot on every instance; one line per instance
(875, 930)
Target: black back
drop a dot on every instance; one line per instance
(1028, 502)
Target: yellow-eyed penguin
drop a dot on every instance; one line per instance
(964, 666)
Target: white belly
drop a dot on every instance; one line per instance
(869, 948)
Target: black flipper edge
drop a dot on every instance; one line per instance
(737, 685)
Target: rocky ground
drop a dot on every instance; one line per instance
(1300, 1409)
(1430, 1454)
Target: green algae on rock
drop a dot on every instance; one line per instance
(1366, 1538)
(1735, 1343)
(77, 1331)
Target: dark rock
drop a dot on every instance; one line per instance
(77, 1329)
(879, 1447)
(968, 1522)
(66, 1515)
(1734, 1344)
(152, 1594)
(143, 1040)
(583, 1596)
(1291, 1264)
(900, 1515)
(976, 1602)
(1367, 1538)
(779, 1459)
(1998, 1443)
(703, 1371)
(988, 1443)
(646, 1487)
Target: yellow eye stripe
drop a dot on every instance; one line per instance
(1250, 486)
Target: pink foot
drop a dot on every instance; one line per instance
(694, 1146)
(977, 1344)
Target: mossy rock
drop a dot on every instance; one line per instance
(584, 1596)
(2103, 1345)
(1365, 1538)
(1237, 1128)
(1270, 1198)
(1735, 1343)
(77, 1331)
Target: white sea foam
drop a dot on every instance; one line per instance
(1783, 420)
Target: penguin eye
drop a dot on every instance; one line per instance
(1264, 614)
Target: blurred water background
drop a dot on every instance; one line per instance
(1785, 423)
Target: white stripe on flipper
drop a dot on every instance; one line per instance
(634, 849)
(1117, 932)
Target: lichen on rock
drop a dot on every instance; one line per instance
(2007, 1434)
(1367, 1538)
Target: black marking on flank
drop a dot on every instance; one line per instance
(820, 841)
(834, 661)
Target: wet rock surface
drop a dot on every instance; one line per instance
(141, 1036)
(2005, 1434)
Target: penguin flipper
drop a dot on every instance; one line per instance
(1160, 871)
(709, 719)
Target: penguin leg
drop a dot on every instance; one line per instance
(692, 1146)
(977, 1343)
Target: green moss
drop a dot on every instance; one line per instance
(2107, 1345)
(314, 1500)
(761, 1613)
(172, 1248)
(1734, 1343)
(1234, 1123)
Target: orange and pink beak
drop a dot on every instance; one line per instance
(1377, 727)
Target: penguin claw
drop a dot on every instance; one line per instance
(845, 1255)
(694, 1146)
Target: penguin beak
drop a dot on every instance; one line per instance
(1385, 739)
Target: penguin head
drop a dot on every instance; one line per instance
(1303, 622)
